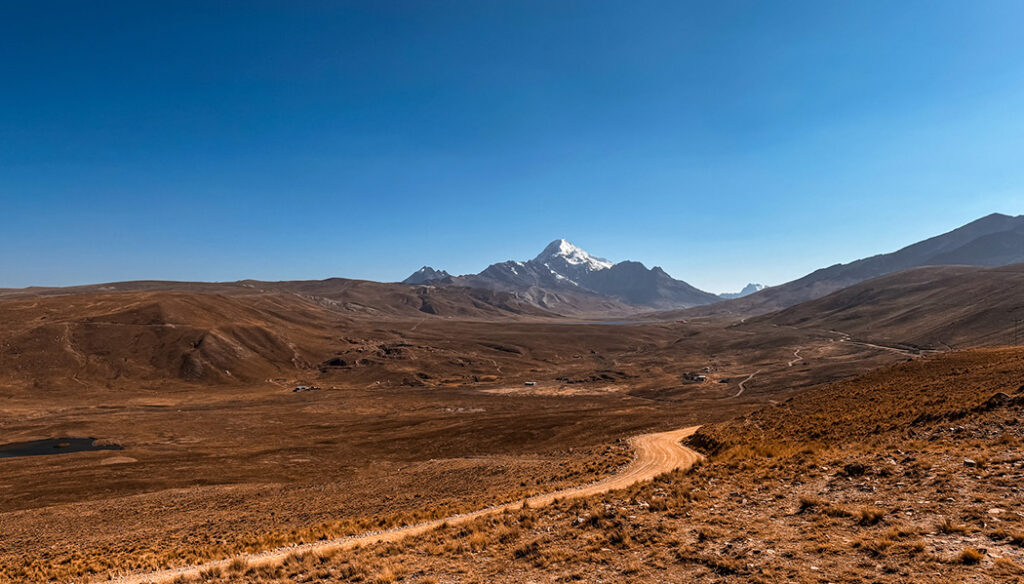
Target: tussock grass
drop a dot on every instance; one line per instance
(948, 527)
(238, 566)
(1014, 537)
(970, 556)
(1008, 566)
(876, 546)
(870, 515)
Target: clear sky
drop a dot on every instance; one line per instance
(724, 141)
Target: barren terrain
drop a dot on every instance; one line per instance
(654, 454)
(402, 419)
(907, 474)
(237, 419)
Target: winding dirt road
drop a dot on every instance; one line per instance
(796, 358)
(743, 384)
(655, 454)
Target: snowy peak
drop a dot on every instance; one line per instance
(565, 274)
(426, 274)
(561, 251)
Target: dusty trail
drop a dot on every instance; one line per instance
(846, 338)
(907, 352)
(796, 358)
(655, 454)
(743, 384)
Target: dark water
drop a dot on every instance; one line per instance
(52, 446)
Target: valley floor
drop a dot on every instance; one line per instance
(440, 421)
(911, 473)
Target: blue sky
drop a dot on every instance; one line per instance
(724, 141)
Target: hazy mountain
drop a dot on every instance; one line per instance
(995, 240)
(563, 275)
(426, 274)
(746, 291)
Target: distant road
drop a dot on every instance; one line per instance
(912, 353)
(796, 358)
(743, 384)
(655, 454)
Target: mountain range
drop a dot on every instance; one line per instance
(251, 330)
(992, 241)
(563, 276)
(566, 279)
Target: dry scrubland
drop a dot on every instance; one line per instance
(349, 463)
(423, 413)
(911, 473)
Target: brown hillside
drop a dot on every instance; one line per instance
(937, 307)
(210, 333)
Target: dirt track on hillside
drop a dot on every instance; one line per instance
(655, 454)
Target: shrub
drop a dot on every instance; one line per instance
(971, 556)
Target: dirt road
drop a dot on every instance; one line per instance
(655, 454)
(796, 358)
(846, 338)
(743, 384)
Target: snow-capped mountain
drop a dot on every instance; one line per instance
(560, 264)
(565, 258)
(563, 272)
(746, 291)
(426, 274)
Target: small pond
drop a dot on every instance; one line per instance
(52, 446)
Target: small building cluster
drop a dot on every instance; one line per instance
(299, 388)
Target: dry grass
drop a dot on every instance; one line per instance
(970, 556)
(270, 521)
(1013, 537)
(1008, 567)
(876, 508)
(870, 515)
(791, 502)
(948, 526)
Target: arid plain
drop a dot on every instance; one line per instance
(413, 417)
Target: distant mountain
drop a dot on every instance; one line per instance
(564, 276)
(746, 291)
(995, 240)
(426, 274)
